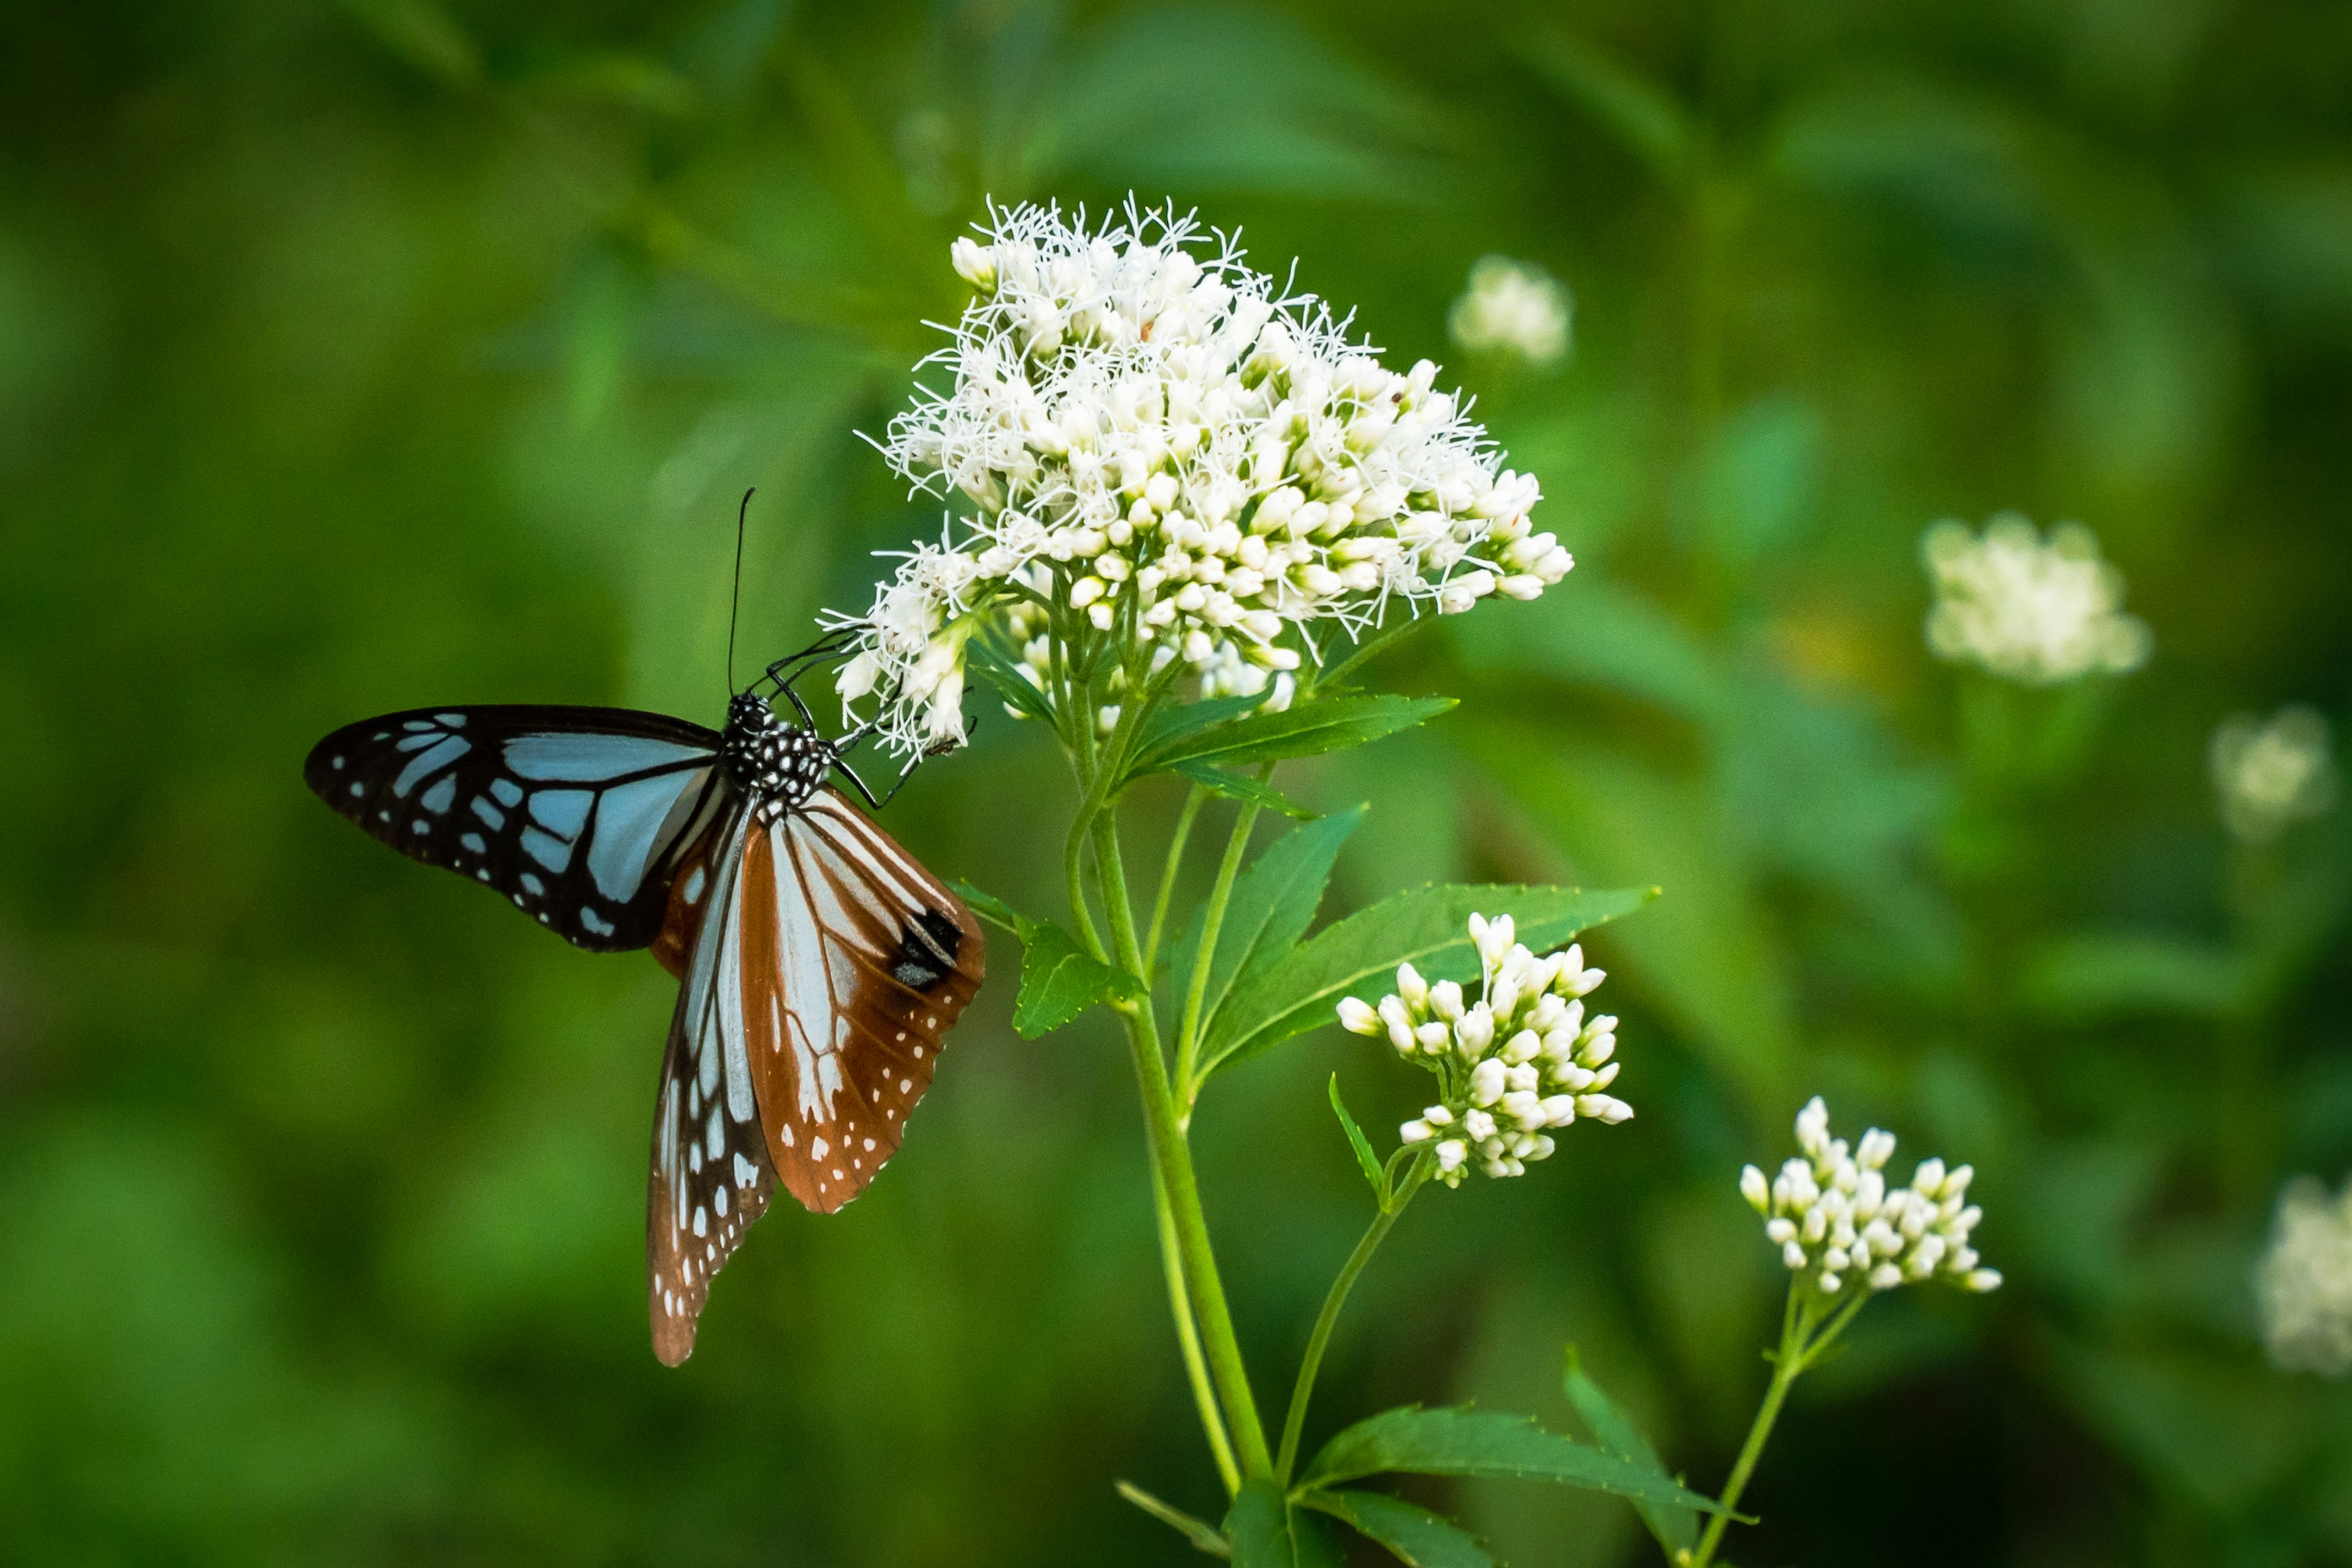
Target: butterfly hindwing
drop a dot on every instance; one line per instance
(856, 963)
(578, 814)
(710, 1176)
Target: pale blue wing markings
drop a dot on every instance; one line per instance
(417, 724)
(532, 885)
(475, 844)
(492, 818)
(455, 720)
(595, 921)
(430, 762)
(583, 758)
(415, 742)
(552, 853)
(509, 792)
(440, 796)
(629, 823)
(562, 811)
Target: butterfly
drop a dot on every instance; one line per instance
(820, 966)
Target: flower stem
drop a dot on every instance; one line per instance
(1178, 1184)
(1187, 1036)
(1303, 1390)
(1193, 799)
(1801, 1347)
(1188, 1339)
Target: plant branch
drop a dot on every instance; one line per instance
(1295, 1422)
(1187, 1036)
(1188, 1340)
(1193, 800)
(1801, 1348)
(1177, 1183)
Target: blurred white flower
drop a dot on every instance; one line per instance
(1834, 1218)
(1521, 1059)
(1512, 307)
(2305, 1280)
(1163, 449)
(2029, 611)
(2272, 773)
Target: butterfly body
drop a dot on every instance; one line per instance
(820, 965)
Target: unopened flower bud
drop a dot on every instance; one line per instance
(1359, 1018)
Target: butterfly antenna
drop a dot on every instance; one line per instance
(735, 602)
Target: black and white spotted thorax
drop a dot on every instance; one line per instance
(778, 765)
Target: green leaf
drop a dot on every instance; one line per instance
(1305, 729)
(1427, 928)
(1418, 1537)
(2103, 974)
(1242, 787)
(1333, 676)
(1059, 980)
(1362, 1146)
(1173, 726)
(1273, 903)
(1006, 680)
(990, 908)
(1463, 1442)
(1202, 1534)
(1268, 1530)
(1675, 1527)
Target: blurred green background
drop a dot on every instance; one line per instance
(358, 358)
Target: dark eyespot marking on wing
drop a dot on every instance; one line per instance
(926, 949)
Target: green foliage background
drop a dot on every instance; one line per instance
(356, 358)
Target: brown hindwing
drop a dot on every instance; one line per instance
(857, 962)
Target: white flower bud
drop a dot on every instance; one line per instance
(1415, 1133)
(1479, 1124)
(1523, 1108)
(1885, 1277)
(1602, 1108)
(1792, 1255)
(974, 263)
(1435, 1036)
(1522, 1046)
(1446, 1000)
(1983, 1279)
(1487, 1081)
(1928, 1180)
(1411, 986)
(1438, 1116)
(1559, 1110)
(1451, 1154)
(1357, 1019)
(1752, 1188)
(1476, 1031)
(1781, 1231)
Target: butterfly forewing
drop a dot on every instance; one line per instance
(856, 963)
(579, 816)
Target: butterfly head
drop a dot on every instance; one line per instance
(779, 765)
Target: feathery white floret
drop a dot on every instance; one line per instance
(1139, 430)
(2029, 611)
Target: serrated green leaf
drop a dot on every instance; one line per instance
(1273, 902)
(1202, 1534)
(1006, 680)
(1305, 729)
(1416, 1536)
(1373, 1173)
(1427, 928)
(1242, 787)
(1675, 1527)
(1059, 979)
(1463, 1442)
(1178, 723)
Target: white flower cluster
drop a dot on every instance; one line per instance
(2271, 774)
(2027, 611)
(1194, 460)
(1521, 1059)
(1831, 1211)
(1511, 307)
(2305, 1280)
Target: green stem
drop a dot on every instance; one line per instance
(1177, 1181)
(1303, 1390)
(1188, 1339)
(1188, 1036)
(1193, 800)
(1801, 1348)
